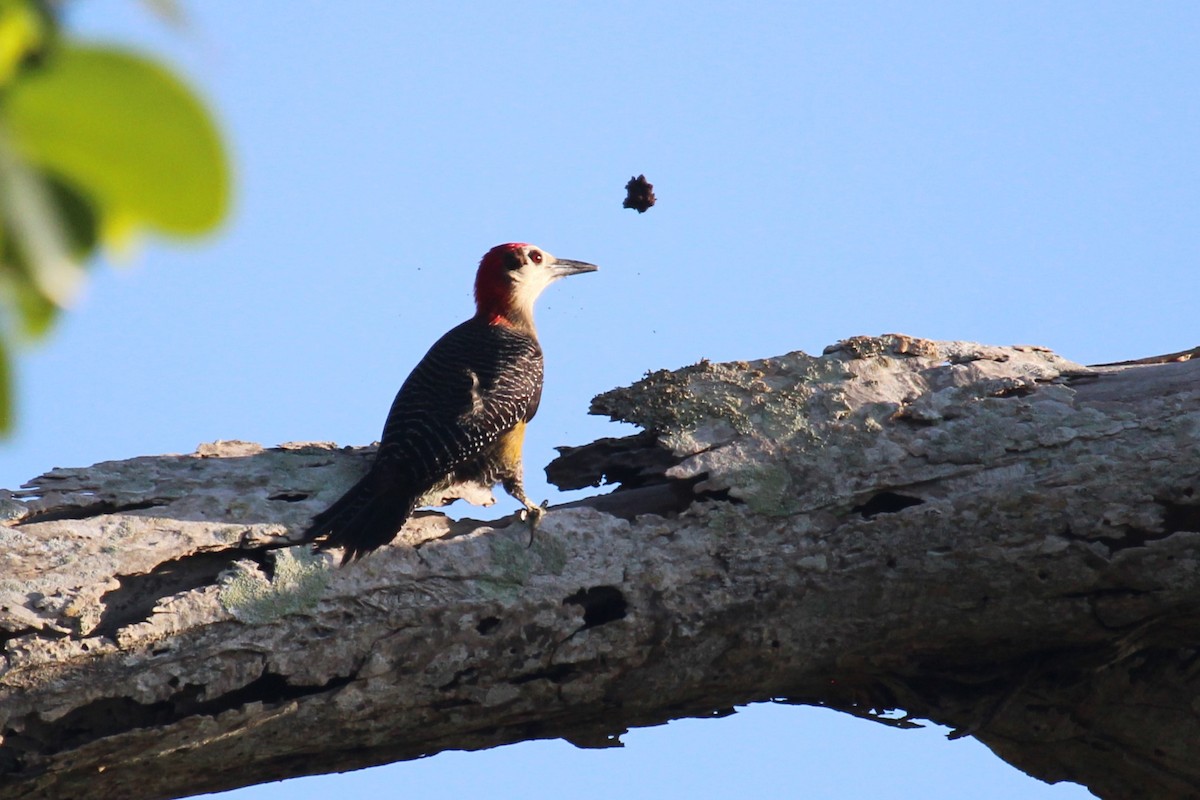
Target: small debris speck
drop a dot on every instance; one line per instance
(639, 194)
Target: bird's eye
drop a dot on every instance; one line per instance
(535, 256)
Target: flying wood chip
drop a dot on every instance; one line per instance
(639, 194)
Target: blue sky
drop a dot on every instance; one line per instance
(1009, 172)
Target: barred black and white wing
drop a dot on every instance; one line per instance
(475, 384)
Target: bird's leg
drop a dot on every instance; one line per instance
(532, 513)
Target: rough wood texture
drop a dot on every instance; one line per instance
(993, 538)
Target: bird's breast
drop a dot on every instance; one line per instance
(508, 452)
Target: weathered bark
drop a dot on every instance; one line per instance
(993, 538)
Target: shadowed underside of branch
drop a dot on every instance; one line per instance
(993, 538)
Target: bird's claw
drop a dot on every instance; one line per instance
(533, 514)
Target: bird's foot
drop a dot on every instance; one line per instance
(533, 515)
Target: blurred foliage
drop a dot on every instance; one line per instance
(97, 145)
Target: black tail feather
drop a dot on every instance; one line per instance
(362, 519)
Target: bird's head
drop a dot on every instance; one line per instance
(510, 278)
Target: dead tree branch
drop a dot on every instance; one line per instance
(990, 537)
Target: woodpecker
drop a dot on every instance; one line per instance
(461, 414)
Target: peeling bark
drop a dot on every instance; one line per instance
(993, 538)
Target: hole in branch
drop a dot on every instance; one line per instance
(886, 503)
(289, 497)
(1178, 517)
(600, 604)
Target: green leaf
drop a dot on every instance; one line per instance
(76, 214)
(22, 31)
(128, 134)
(36, 312)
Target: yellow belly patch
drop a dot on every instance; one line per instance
(511, 444)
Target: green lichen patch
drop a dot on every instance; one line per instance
(794, 432)
(706, 403)
(552, 554)
(766, 489)
(512, 560)
(299, 581)
(497, 589)
(515, 561)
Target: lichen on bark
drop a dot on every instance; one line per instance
(299, 579)
(994, 538)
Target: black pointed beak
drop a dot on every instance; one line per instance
(564, 266)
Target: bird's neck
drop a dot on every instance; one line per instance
(509, 316)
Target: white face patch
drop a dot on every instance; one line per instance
(530, 280)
